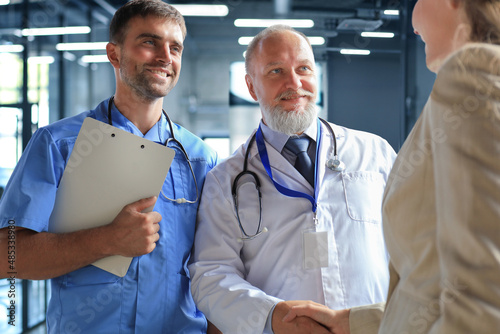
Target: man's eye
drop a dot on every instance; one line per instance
(276, 71)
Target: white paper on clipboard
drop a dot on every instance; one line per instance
(108, 169)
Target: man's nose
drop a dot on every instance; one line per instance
(293, 81)
(163, 54)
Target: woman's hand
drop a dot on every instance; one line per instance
(336, 321)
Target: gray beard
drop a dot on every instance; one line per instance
(289, 122)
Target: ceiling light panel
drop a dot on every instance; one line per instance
(202, 10)
(264, 23)
(55, 31)
(81, 46)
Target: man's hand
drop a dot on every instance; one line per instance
(299, 325)
(44, 255)
(132, 232)
(337, 322)
(212, 329)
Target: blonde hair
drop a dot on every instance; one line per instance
(484, 18)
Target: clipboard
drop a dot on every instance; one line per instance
(107, 169)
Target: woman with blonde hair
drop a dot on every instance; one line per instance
(441, 207)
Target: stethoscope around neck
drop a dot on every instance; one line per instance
(179, 146)
(333, 163)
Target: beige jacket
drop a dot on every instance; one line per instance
(441, 209)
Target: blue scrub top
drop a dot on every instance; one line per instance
(154, 296)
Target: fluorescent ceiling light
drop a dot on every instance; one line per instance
(314, 40)
(264, 23)
(55, 31)
(394, 12)
(355, 52)
(12, 48)
(95, 59)
(377, 34)
(41, 60)
(245, 40)
(4, 2)
(81, 46)
(202, 10)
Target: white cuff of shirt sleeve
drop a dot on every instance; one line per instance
(269, 323)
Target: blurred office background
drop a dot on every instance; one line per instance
(371, 70)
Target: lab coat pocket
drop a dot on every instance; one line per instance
(363, 195)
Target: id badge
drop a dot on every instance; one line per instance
(315, 246)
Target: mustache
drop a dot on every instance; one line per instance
(292, 93)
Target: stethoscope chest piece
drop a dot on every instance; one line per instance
(335, 165)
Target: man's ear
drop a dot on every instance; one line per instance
(248, 80)
(113, 52)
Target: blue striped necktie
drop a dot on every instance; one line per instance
(303, 163)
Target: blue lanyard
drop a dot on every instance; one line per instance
(267, 166)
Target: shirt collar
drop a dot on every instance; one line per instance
(278, 140)
(158, 133)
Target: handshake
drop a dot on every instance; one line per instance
(309, 317)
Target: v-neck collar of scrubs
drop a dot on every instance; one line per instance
(158, 133)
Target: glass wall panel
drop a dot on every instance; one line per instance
(36, 302)
(11, 311)
(10, 142)
(11, 80)
(13, 308)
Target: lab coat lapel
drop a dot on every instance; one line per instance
(326, 151)
(322, 155)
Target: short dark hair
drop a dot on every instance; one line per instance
(277, 28)
(143, 8)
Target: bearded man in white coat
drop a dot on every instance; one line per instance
(311, 233)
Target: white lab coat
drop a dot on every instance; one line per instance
(236, 283)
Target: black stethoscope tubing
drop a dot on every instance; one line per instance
(333, 164)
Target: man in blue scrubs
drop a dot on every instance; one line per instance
(145, 49)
